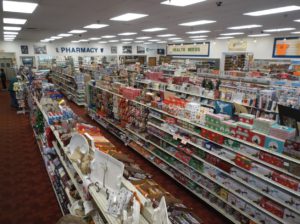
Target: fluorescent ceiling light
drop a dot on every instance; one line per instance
(259, 35)
(244, 27)
(126, 42)
(181, 3)
(224, 38)
(113, 41)
(108, 36)
(175, 38)
(296, 32)
(75, 41)
(8, 39)
(16, 28)
(102, 42)
(22, 7)
(162, 42)
(273, 11)
(201, 39)
(202, 36)
(128, 39)
(55, 37)
(197, 23)
(95, 38)
(77, 31)
(154, 29)
(9, 32)
(9, 35)
(65, 35)
(128, 17)
(154, 40)
(143, 38)
(83, 40)
(14, 21)
(44, 41)
(147, 43)
(127, 34)
(198, 31)
(297, 20)
(178, 41)
(166, 35)
(95, 26)
(231, 34)
(50, 39)
(138, 41)
(279, 30)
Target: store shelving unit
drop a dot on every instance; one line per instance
(161, 145)
(68, 86)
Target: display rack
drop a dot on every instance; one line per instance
(71, 85)
(159, 145)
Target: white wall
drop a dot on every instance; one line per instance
(262, 48)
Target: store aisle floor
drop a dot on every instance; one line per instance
(26, 195)
(208, 214)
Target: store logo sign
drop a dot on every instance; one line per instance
(67, 50)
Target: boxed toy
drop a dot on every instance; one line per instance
(263, 125)
(269, 158)
(243, 162)
(286, 181)
(292, 147)
(272, 207)
(228, 127)
(274, 144)
(257, 138)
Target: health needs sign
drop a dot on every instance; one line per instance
(67, 50)
(199, 49)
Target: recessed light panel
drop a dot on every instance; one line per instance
(224, 38)
(197, 23)
(178, 41)
(127, 39)
(14, 21)
(162, 42)
(154, 29)
(244, 27)
(273, 11)
(202, 36)
(55, 37)
(259, 35)
(198, 31)
(95, 26)
(181, 3)
(95, 38)
(143, 38)
(138, 41)
(83, 40)
(231, 34)
(108, 36)
(279, 30)
(12, 28)
(154, 40)
(77, 31)
(128, 17)
(175, 38)
(166, 35)
(200, 39)
(126, 42)
(127, 34)
(75, 41)
(102, 42)
(297, 20)
(296, 32)
(65, 35)
(21, 7)
(113, 41)
(9, 32)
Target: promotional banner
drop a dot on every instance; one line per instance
(199, 49)
(286, 47)
(237, 45)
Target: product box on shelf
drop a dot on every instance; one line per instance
(282, 132)
(272, 207)
(261, 170)
(286, 181)
(263, 125)
(257, 138)
(154, 75)
(232, 143)
(246, 118)
(292, 147)
(291, 217)
(274, 144)
(228, 127)
(243, 162)
(271, 159)
(223, 193)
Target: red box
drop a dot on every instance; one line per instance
(216, 138)
(292, 147)
(257, 138)
(272, 207)
(243, 162)
(218, 163)
(183, 157)
(242, 136)
(286, 181)
(271, 159)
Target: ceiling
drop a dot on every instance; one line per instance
(53, 17)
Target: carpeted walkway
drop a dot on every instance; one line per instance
(26, 195)
(207, 214)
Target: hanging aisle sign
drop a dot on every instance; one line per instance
(288, 47)
(199, 49)
(67, 50)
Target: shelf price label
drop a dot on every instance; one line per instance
(175, 136)
(184, 141)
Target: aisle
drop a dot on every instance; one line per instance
(208, 214)
(26, 195)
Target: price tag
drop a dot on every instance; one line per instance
(286, 164)
(175, 137)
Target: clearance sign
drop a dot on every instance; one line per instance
(286, 47)
(199, 49)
